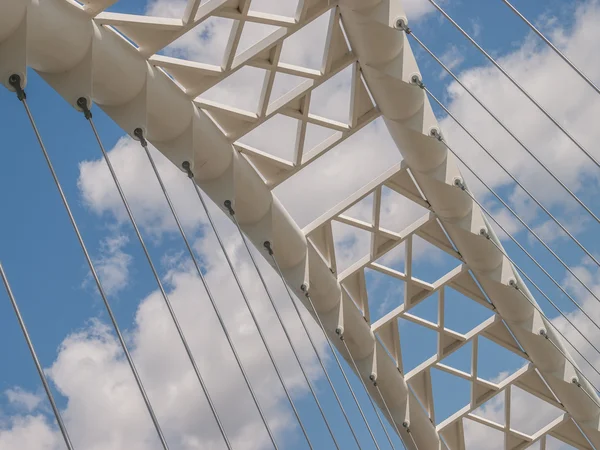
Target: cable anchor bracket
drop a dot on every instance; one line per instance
(267, 245)
(188, 168)
(139, 133)
(402, 25)
(15, 81)
(416, 79)
(228, 206)
(85, 109)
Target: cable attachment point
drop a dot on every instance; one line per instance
(406, 425)
(435, 133)
(459, 183)
(304, 288)
(139, 133)
(227, 204)
(416, 79)
(542, 332)
(340, 332)
(267, 245)
(484, 232)
(15, 81)
(402, 25)
(373, 378)
(82, 104)
(513, 283)
(188, 168)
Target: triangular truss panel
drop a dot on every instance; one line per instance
(125, 63)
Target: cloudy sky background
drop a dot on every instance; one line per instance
(90, 377)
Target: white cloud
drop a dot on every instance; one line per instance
(453, 58)
(476, 24)
(550, 232)
(113, 263)
(141, 188)
(29, 432)
(417, 9)
(558, 89)
(103, 407)
(23, 399)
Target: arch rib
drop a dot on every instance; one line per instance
(97, 63)
(390, 72)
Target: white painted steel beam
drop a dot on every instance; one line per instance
(78, 57)
(389, 70)
(81, 51)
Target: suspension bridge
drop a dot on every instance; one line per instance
(115, 64)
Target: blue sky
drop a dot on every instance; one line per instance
(58, 298)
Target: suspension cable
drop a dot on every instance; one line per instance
(187, 167)
(575, 381)
(552, 46)
(538, 308)
(585, 250)
(140, 135)
(515, 83)
(438, 136)
(341, 335)
(512, 238)
(82, 103)
(267, 245)
(406, 425)
(486, 234)
(409, 32)
(38, 365)
(373, 378)
(231, 211)
(15, 82)
(339, 364)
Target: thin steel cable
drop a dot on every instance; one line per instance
(38, 365)
(574, 381)
(15, 81)
(82, 102)
(302, 321)
(537, 307)
(412, 438)
(549, 321)
(339, 364)
(285, 331)
(504, 127)
(530, 230)
(279, 271)
(245, 298)
(212, 301)
(212, 406)
(515, 83)
(366, 390)
(388, 411)
(585, 250)
(512, 238)
(552, 46)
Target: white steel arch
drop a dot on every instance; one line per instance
(82, 51)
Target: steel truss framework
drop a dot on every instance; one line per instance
(116, 61)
